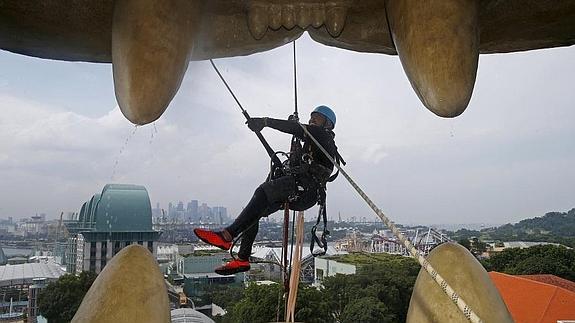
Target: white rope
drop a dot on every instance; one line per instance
(461, 304)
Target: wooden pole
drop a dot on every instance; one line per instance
(295, 269)
(285, 253)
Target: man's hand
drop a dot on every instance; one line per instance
(256, 124)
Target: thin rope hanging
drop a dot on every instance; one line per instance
(291, 295)
(297, 118)
(447, 289)
(295, 80)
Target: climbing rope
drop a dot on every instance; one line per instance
(276, 163)
(275, 160)
(461, 304)
(288, 292)
(294, 79)
(445, 287)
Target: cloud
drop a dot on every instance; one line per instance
(506, 158)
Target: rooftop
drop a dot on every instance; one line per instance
(364, 258)
(26, 273)
(118, 208)
(552, 280)
(188, 315)
(531, 301)
(270, 253)
(526, 244)
(205, 275)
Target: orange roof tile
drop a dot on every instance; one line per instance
(531, 301)
(552, 280)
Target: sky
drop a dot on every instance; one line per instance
(508, 157)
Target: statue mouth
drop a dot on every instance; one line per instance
(150, 43)
(264, 15)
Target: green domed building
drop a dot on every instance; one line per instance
(117, 217)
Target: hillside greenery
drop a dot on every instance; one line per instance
(545, 259)
(556, 227)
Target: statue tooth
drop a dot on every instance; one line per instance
(335, 19)
(151, 46)
(258, 20)
(303, 15)
(275, 16)
(438, 44)
(288, 16)
(318, 15)
(130, 288)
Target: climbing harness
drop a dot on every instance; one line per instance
(297, 162)
(322, 242)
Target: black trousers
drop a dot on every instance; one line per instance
(268, 198)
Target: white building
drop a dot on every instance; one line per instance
(326, 268)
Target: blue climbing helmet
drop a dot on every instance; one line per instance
(326, 112)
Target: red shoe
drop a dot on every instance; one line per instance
(213, 238)
(233, 267)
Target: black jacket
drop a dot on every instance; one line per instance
(324, 136)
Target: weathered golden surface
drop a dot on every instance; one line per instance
(82, 29)
(130, 289)
(150, 53)
(467, 277)
(438, 44)
(438, 40)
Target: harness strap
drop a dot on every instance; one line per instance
(338, 160)
(322, 240)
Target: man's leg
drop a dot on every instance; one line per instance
(248, 238)
(267, 199)
(251, 214)
(253, 211)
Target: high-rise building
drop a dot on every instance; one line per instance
(220, 214)
(193, 210)
(204, 213)
(157, 211)
(118, 217)
(171, 211)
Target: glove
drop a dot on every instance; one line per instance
(256, 124)
(293, 117)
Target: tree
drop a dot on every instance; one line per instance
(383, 283)
(477, 247)
(59, 301)
(312, 306)
(366, 310)
(259, 304)
(546, 259)
(262, 303)
(225, 296)
(389, 279)
(465, 242)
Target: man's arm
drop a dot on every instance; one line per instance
(286, 126)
